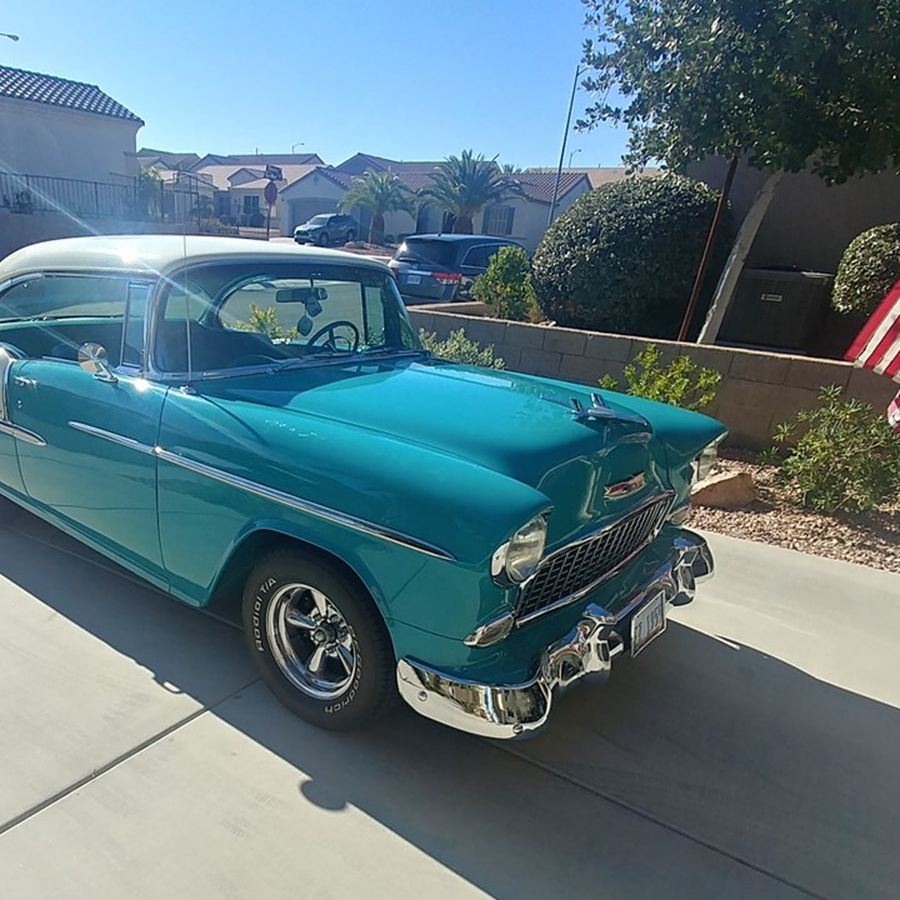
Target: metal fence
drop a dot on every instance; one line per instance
(137, 199)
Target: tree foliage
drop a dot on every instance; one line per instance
(869, 268)
(505, 287)
(382, 192)
(623, 257)
(464, 185)
(789, 83)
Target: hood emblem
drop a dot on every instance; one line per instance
(624, 488)
(599, 410)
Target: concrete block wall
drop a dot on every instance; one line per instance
(758, 390)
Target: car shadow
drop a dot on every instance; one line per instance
(720, 745)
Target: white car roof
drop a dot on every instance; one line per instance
(161, 253)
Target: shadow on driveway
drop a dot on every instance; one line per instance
(722, 747)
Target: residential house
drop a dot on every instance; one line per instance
(55, 127)
(523, 217)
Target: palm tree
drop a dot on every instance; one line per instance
(382, 192)
(464, 185)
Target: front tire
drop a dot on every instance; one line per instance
(324, 240)
(318, 641)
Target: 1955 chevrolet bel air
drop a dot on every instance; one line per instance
(256, 428)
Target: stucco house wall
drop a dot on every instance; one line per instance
(39, 139)
(304, 198)
(808, 224)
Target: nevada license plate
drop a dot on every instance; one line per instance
(648, 622)
(413, 279)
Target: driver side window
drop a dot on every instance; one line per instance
(51, 316)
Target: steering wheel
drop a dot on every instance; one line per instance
(330, 330)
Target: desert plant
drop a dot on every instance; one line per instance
(264, 320)
(505, 287)
(464, 185)
(682, 382)
(458, 348)
(841, 456)
(148, 188)
(869, 268)
(623, 257)
(381, 192)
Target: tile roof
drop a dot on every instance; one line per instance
(18, 84)
(539, 185)
(220, 174)
(600, 175)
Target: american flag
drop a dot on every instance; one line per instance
(877, 346)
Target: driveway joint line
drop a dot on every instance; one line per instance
(650, 817)
(114, 763)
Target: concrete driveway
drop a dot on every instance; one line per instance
(751, 752)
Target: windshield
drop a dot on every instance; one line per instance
(440, 253)
(279, 315)
(318, 220)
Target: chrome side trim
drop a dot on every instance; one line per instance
(305, 506)
(260, 490)
(114, 438)
(577, 595)
(22, 434)
(512, 710)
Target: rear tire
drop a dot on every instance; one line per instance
(351, 236)
(318, 640)
(324, 240)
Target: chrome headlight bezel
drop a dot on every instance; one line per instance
(518, 559)
(702, 464)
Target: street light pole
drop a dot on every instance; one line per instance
(298, 144)
(572, 154)
(562, 153)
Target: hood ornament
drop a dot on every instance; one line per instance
(599, 410)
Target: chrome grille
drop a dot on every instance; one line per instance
(574, 570)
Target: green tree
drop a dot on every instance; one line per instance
(464, 185)
(381, 192)
(787, 84)
(148, 188)
(869, 268)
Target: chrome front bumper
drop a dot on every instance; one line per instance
(510, 711)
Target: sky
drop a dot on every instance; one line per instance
(405, 80)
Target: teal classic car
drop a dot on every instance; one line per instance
(255, 428)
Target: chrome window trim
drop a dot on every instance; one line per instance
(22, 434)
(577, 595)
(267, 493)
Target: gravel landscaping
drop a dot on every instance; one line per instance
(776, 517)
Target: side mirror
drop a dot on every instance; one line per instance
(92, 358)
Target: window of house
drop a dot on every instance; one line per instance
(499, 220)
(223, 205)
(251, 204)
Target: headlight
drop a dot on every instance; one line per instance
(518, 558)
(702, 464)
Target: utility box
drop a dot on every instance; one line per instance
(777, 308)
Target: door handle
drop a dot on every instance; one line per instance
(22, 381)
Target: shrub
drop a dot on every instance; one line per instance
(623, 257)
(681, 383)
(868, 270)
(458, 348)
(841, 456)
(506, 287)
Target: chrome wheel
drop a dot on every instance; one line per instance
(311, 641)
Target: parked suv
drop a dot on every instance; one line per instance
(325, 229)
(443, 267)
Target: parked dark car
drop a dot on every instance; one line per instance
(443, 267)
(325, 229)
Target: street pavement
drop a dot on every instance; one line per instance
(751, 751)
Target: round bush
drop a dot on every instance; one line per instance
(623, 257)
(868, 270)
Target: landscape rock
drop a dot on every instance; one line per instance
(727, 490)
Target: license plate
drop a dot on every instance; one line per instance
(648, 622)
(413, 279)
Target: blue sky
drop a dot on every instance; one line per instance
(407, 80)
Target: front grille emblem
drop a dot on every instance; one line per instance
(624, 488)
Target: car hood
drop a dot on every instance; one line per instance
(517, 425)
(306, 228)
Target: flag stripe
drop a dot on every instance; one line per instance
(892, 362)
(882, 339)
(879, 323)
